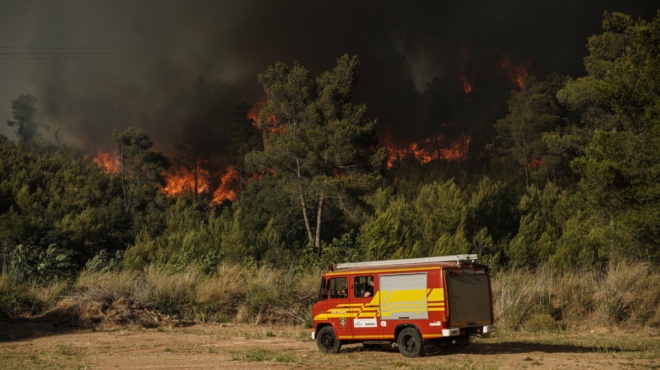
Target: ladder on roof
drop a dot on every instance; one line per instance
(458, 258)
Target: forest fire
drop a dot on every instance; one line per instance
(429, 150)
(515, 73)
(253, 112)
(226, 191)
(273, 126)
(467, 86)
(107, 161)
(181, 180)
(536, 162)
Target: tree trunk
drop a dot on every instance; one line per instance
(303, 204)
(319, 215)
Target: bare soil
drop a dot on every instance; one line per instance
(40, 344)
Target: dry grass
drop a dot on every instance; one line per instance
(623, 295)
(234, 292)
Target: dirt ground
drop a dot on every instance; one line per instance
(38, 344)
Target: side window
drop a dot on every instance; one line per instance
(338, 287)
(363, 286)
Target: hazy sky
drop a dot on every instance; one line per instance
(100, 65)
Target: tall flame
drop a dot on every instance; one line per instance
(464, 55)
(515, 73)
(467, 86)
(226, 190)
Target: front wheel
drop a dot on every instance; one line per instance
(327, 340)
(410, 343)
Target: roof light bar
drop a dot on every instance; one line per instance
(408, 261)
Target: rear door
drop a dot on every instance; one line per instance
(469, 298)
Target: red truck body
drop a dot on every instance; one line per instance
(415, 304)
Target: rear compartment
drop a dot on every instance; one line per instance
(469, 298)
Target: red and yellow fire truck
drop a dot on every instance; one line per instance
(414, 304)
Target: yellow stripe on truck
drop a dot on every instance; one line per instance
(412, 300)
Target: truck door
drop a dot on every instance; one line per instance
(364, 303)
(339, 308)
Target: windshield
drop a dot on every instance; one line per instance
(322, 294)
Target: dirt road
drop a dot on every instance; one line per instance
(229, 346)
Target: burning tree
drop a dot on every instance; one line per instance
(316, 141)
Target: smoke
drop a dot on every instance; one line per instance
(97, 66)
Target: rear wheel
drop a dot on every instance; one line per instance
(327, 340)
(410, 343)
(463, 342)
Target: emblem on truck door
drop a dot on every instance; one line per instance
(342, 322)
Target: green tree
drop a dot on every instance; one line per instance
(192, 237)
(540, 227)
(24, 111)
(440, 210)
(52, 196)
(140, 168)
(532, 112)
(390, 232)
(318, 143)
(617, 110)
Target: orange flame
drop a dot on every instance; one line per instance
(464, 55)
(180, 180)
(228, 184)
(253, 113)
(467, 87)
(273, 126)
(515, 73)
(430, 149)
(107, 161)
(536, 162)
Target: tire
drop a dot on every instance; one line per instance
(463, 342)
(410, 343)
(327, 340)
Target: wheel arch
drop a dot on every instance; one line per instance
(399, 328)
(322, 325)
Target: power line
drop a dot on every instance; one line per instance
(96, 52)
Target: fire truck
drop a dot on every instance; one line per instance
(414, 304)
